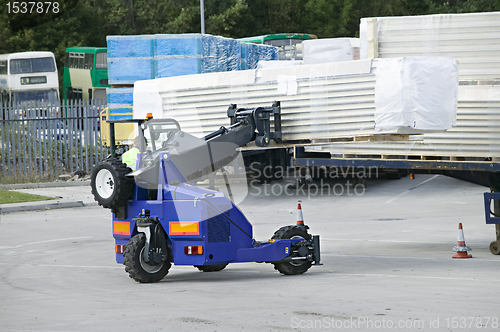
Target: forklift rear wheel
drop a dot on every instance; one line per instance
(495, 247)
(210, 268)
(296, 266)
(135, 265)
(110, 187)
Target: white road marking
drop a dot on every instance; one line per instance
(67, 266)
(412, 277)
(380, 240)
(47, 241)
(409, 190)
(404, 257)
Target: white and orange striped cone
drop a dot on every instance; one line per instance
(461, 248)
(300, 219)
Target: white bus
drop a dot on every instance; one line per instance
(28, 77)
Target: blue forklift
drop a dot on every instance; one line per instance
(161, 217)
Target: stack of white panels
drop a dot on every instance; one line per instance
(476, 134)
(472, 39)
(318, 101)
(322, 101)
(330, 50)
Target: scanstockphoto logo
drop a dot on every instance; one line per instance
(327, 183)
(310, 190)
(465, 323)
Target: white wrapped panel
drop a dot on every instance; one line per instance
(475, 135)
(318, 51)
(472, 39)
(418, 93)
(318, 101)
(278, 63)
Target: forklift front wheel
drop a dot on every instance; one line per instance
(298, 266)
(137, 268)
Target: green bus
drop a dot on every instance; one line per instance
(289, 44)
(85, 73)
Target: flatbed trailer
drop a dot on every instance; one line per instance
(485, 173)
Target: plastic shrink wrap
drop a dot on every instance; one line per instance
(130, 58)
(119, 101)
(319, 101)
(278, 64)
(251, 54)
(134, 58)
(318, 51)
(186, 54)
(473, 39)
(177, 55)
(418, 93)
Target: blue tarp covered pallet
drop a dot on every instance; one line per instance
(119, 101)
(130, 58)
(133, 58)
(251, 54)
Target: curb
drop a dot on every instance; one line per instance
(44, 185)
(40, 206)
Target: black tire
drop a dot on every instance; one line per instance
(135, 265)
(110, 187)
(293, 267)
(495, 247)
(393, 176)
(360, 181)
(210, 268)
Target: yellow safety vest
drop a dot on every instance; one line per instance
(130, 157)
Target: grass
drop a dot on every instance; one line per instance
(7, 197)
(23, 178)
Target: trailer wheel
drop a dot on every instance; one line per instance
(135, 265)
(495, 247)
(297, 266)
(393, 176)
(210, 268)
(110, 187)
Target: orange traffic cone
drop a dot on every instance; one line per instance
(461, 248)
(300, 219)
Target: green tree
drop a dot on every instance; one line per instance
(226, 20)
(88, 22)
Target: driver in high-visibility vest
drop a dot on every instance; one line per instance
(130, 157)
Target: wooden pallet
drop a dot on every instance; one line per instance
(122, 86)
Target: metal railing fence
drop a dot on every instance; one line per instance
(38, 142)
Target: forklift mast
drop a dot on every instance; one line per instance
(196, 157)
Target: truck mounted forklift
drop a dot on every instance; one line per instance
(161, 217)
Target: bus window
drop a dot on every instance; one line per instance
(3, 67)
(100, 94)
(101, 61)
(289, 49)
(81, 60)
(89, 61)
(75, 60)
(43, 65)
(20, 66)
(49, 96)
(36, 65)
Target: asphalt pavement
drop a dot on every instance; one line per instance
(386, 254)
